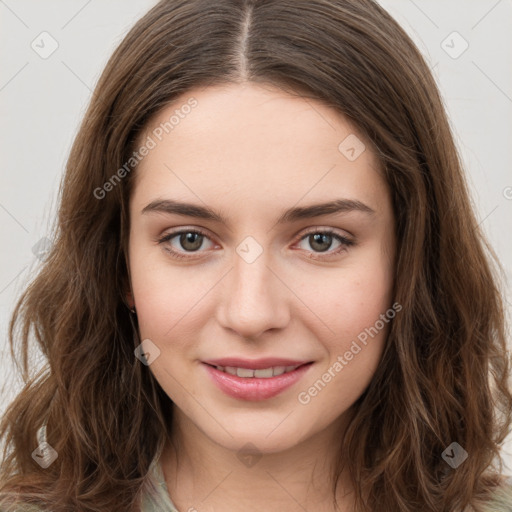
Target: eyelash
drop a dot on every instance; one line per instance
(345, 242)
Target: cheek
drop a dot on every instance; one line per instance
(352, 298)
(353, 352)
(364, 298)
(356, 310)
(164, 293)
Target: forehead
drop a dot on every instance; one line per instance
(241, 142)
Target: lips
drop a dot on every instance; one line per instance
(255, 364)
(249, 383)
(261, 373)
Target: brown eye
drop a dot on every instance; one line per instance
(191, 241)
(188, 241)
(320, 241)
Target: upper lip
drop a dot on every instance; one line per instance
(255, 364)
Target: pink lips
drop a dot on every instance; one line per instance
(254, 388)
(255, 364)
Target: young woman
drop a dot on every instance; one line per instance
(268, 289)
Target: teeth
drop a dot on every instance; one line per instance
(264, 373)
(279, 370)
(245, 372)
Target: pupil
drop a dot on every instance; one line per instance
(194, 238)
(319, 238)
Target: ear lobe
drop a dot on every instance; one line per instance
(127, 293)
(127, 285)
(129, 300)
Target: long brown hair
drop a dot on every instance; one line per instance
(444, 372)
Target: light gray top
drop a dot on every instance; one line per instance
(156, 495)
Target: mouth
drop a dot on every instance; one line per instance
(261, 373)
(256, 384)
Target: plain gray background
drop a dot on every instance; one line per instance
(43, 98)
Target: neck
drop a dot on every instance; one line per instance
(203, 475)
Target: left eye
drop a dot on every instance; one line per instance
(322, 240)
(192, 240)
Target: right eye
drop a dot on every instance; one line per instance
(190, 241)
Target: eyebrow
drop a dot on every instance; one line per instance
(291, 215)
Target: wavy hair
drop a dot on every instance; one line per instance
(443, 376)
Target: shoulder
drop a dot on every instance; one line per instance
(20, 507)
(155, 497)
(502, 497)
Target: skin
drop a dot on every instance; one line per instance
(250, 152)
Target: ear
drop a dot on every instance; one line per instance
(127, 289)
(129, 299)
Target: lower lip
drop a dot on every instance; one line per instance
(253, 388)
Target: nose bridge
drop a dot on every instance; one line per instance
(254, 299)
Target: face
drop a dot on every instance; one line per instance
(251, 271)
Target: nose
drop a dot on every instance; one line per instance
(255, 298)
